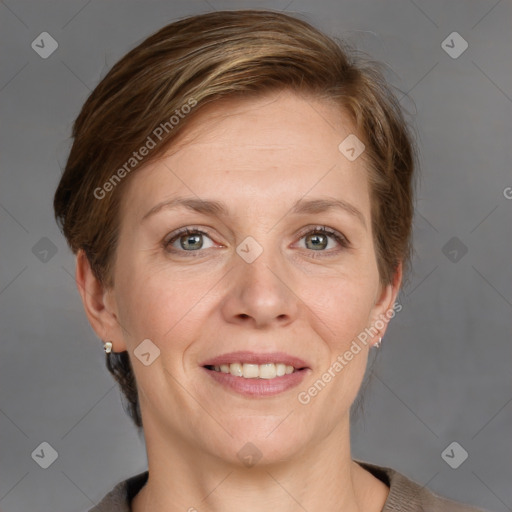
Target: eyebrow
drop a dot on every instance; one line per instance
(219, 209)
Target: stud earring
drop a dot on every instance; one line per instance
(107, 346)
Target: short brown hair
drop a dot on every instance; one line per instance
(201, 59)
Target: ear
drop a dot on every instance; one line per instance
(384, 308)
(99, 304)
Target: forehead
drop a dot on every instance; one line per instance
(271, 148)
(267, 125)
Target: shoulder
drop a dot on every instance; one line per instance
(405, 495)
(120, 497)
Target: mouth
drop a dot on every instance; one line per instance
(256, 375)
(255, 371)
(252, 365)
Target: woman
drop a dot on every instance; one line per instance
(239, 198)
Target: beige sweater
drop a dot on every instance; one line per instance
(404, 495)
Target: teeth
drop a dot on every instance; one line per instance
(268, 371)
(236, 369)
(255, 371)
(250, 371)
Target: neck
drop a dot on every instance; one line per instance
(321, 477)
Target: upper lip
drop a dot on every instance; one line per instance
(256, 358)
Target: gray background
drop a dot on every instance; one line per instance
(444, 371)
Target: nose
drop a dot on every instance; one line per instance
(261, 294)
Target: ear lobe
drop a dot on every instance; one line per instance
(98, 303)
(385, 304)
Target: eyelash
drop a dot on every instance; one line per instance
(341, 239)
(324, 230)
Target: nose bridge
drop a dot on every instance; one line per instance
(264, 270)
(261, 275)
(260, 289)
(261, 247)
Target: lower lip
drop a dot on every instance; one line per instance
(258, 387)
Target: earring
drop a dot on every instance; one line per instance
(107, 345)
(377, 345)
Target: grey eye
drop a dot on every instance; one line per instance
(190, 241)
(317, 241)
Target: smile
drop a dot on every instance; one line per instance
(254, 371)
(256, 375)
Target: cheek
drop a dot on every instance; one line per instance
(343, 303)
(158, 304)
(344, 306)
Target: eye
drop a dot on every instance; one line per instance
(322, 239)
(188, 240)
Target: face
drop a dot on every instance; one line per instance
(266, 273)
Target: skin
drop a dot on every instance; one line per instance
(258, 156)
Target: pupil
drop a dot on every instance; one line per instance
(319, 241)
(191, 244)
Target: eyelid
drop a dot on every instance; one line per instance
(337, 235)
(176, 234)
(340, 238)
(183, 231)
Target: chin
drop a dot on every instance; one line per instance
(260, 441)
